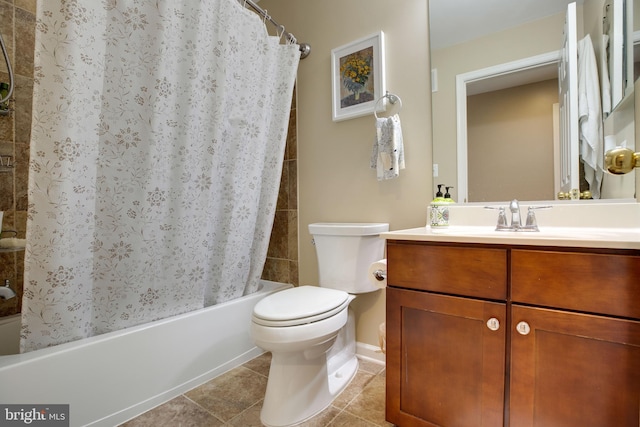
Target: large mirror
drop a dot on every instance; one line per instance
(510, 118)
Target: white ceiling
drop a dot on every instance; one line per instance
(457, 21)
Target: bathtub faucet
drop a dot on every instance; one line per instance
(6, 292)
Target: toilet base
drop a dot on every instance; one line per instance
(302, 384)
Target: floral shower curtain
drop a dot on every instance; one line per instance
(157, 145)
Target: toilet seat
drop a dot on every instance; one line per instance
(299, 306)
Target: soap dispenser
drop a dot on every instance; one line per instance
(439, 197)
(439, 210)
(447, 196)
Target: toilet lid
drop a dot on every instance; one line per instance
(296, 306)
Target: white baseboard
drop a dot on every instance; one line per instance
(370, 352)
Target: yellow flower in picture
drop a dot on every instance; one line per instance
(355, 72)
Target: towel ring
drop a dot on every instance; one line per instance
(392, 99)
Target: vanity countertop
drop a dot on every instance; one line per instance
(604, 225)
(608, 238)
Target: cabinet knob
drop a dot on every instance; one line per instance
(523, 328)
(493, 324)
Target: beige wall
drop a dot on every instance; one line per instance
(335, 182)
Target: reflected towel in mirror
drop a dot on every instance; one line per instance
(590, 113)
(606, 83)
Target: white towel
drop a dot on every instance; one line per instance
(606, 83)
(388, 150)
(590, 116)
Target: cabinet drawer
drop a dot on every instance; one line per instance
(475, 272)
(595, 283)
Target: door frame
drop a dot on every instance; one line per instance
(462, 80)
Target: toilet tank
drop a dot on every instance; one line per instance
(345, 251)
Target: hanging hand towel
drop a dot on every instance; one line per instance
(590, 112)
(388, 151)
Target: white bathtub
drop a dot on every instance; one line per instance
(113, 377)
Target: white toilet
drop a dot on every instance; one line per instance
(310, 330)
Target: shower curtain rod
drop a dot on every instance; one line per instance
(305, 48)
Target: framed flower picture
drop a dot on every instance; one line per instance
(357, 77)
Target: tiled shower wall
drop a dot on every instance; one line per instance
(282, 258)
(17, 25)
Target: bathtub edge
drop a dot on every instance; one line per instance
(106, 386)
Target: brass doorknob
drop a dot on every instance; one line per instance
(620, 160)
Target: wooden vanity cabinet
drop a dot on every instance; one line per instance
(565, 350)
(445, 365)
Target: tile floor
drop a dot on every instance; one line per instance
(234, 399)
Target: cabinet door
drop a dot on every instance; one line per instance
(445, 365)
(571, 369)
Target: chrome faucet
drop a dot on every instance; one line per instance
(6, 292)
(514, 207)
(516, 220)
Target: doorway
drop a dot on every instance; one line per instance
(497, 78)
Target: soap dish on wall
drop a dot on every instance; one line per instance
(6, 163)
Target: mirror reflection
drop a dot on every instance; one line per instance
(495, 87)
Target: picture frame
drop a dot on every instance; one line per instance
(358, 77)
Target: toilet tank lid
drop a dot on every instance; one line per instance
(348, 228)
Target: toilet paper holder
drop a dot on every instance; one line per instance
(380, 275)
(377, 274)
